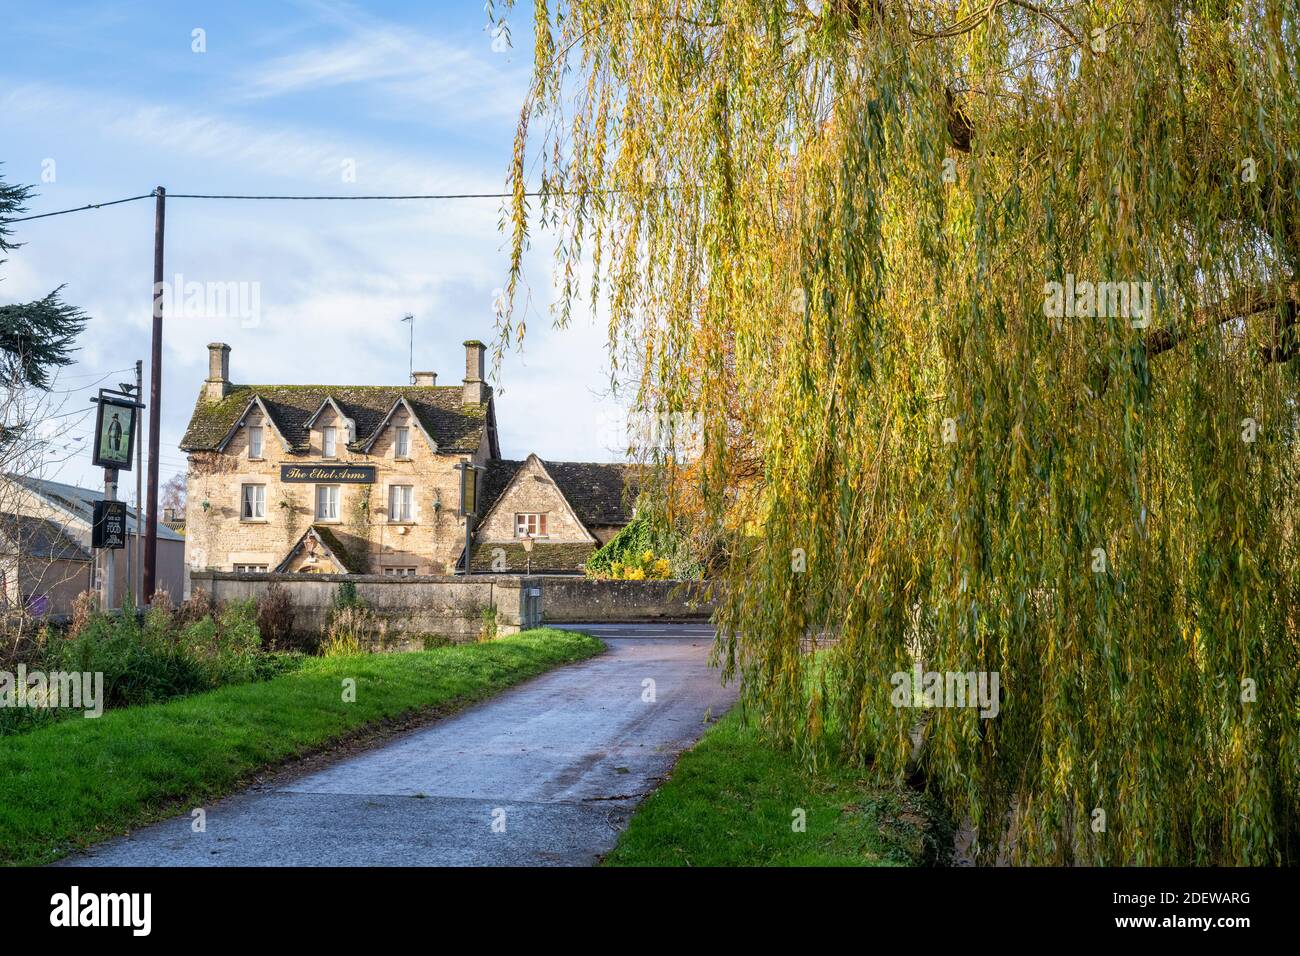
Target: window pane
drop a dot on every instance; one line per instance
(403, 448)
(400, 503)
(255, 442)
(328, 442)
(327, 502)
(254, 505)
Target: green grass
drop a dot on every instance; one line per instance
(731, 800)
(78, 781)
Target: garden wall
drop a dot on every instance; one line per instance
(411, 609)
(575, 599)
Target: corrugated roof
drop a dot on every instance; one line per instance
(453, 425)
(37, 538)
(81, 502)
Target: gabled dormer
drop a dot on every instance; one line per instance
(249, 434)
(331, 429)
(395, 433)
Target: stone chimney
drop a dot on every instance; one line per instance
(476, 390)
(217, 385)
(425, 378)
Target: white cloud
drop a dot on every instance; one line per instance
(335, 277)
(401, 68)
(279, 150)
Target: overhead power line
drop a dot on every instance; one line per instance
(94, 205)
(344, 198)
(379, 197)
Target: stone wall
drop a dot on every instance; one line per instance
(412, 609)
(577, 599)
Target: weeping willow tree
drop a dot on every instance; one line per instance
(988, 311)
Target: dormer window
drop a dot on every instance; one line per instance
(254, 441)
(329, 441)
(530, 525)
(402, 442)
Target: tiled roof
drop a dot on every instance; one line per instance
(598, 493)
(81, 502)
(498, 475)
(545, 559)
(37, 538)
(337, 549)
(601, 494)
(453, 425)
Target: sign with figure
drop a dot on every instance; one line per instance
(109, 528)
(115, 432)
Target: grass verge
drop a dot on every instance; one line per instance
(75, 782)
(732, 801)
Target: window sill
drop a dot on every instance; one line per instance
(254, 521)
(327, 521)
(403, 458)
(401, 524)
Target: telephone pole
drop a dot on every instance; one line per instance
(155, 401)
(136, 591)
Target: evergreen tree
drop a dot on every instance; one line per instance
(35, 337)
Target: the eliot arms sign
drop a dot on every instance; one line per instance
(343, 474)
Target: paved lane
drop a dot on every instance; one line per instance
(544, 774)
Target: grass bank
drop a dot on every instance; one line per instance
(78, 781)
(733, 800)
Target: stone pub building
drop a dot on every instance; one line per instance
(366, 479)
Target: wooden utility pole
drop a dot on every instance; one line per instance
(155, 402)
(136, 590)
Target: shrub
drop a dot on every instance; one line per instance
(199, 606)
(352, 629)
(488, 632)
(345, 595)
(275, 616)
(140, 664)
(225, 649)
(159, 655)
(641, 552)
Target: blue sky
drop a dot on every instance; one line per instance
(287, 98)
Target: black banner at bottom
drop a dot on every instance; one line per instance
(332, 906)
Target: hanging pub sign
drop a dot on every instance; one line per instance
(115, 431)
(109, 528)
(469, 489)
(343, 474)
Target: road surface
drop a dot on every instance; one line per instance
(546, 773)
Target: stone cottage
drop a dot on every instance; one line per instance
(368, 479)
